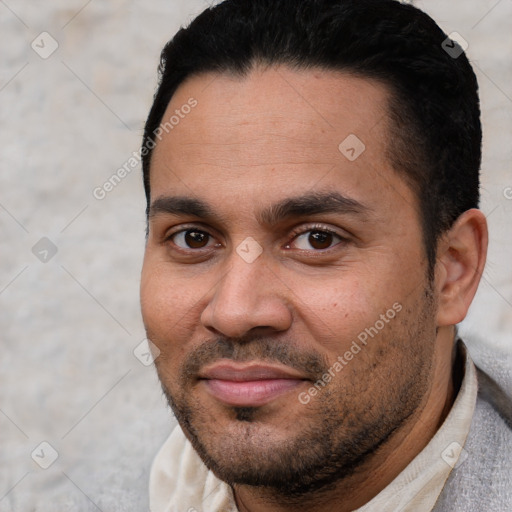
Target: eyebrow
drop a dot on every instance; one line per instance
(312, 203)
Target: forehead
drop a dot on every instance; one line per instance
(275, 132)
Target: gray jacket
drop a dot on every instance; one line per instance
(483, 482)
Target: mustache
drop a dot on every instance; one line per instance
(311, 364)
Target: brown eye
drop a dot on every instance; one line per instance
(316, 239)
(191, 239)
(320, 239)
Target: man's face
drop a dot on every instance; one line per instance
(287, 261)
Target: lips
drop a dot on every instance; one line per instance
(249, 385)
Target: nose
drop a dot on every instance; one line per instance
(250, 296)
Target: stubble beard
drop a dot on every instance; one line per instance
(329, 441)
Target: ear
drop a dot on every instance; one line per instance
(460, 263)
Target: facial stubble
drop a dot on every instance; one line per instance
(325, 441)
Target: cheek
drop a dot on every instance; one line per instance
(171, 305)
(337, 312)
(332, 312)
(162, 304)
(161, 311)
(154, 298)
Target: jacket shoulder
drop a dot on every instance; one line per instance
(482, 482)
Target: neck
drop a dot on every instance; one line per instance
(390, 460)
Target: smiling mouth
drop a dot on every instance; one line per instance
(249, 385)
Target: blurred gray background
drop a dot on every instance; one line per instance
(70, 116)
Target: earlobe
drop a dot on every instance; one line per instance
(460, 264)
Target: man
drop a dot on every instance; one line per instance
(312, 170)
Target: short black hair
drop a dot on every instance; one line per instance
(434, 115)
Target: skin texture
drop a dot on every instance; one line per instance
(251, 143)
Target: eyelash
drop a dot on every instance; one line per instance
(316, 227)
(294, 234)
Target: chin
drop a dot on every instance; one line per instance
(287, 454)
